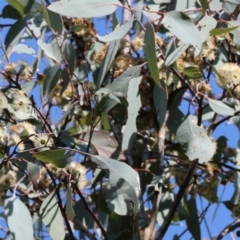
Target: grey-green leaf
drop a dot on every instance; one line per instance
(107, 61)
(33, 171)
(236, 195)
(23, 48)
(121, 83)
(48, 49)
(84, 9)
(192, 218)
(14, 34)
(107, 103)
(220, 108)
(19, 219)
(176, 54)
(51, 80)
(198, 143)
(51, 215)
(236, 32)
(183, 28)
(230, 5)
(118, 33)
(206, 24)
(53, 20)
(69, 209)
(150, 53)
(134, 102)
(124, 178)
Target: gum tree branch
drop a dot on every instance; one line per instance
(163, 229)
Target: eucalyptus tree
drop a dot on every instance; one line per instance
(108, 114)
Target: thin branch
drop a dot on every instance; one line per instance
(60, 202)
(90, 211)
(229, 228)
(163, 229)
(84, 230)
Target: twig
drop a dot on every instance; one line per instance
(60, 202)
(229, 228)
(84, 230)
(90, 211)
(163, 229)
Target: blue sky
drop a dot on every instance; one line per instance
(223, 216)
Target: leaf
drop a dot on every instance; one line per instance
(118, 33)
(107, 61)
(53, 20)
(160, 102)
(220, 108)
(84, 9)
(105, 144)
(199, 145)
(69, 111)
(19, 219)
(192, 72)
(83, 215)
(69, 54)
(51, 215)
(236, 195)
(236, 32)
(121, 83)
(33, 172)
(48, 49)
(69, 209)
(192, 219)
(150, 53)
(229, 5)
(10, 12)
(138, 12)
(173, 56)
(219, 31)
(134, 102)
(14, 34)
(184, 29)
(58, 158)
(17, 5)
(167, 199)
(124, 178)
(206, 24)
(22, 48)
(107, 103)
(204, 5)
(52, 77)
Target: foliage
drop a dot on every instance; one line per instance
(112, 136)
